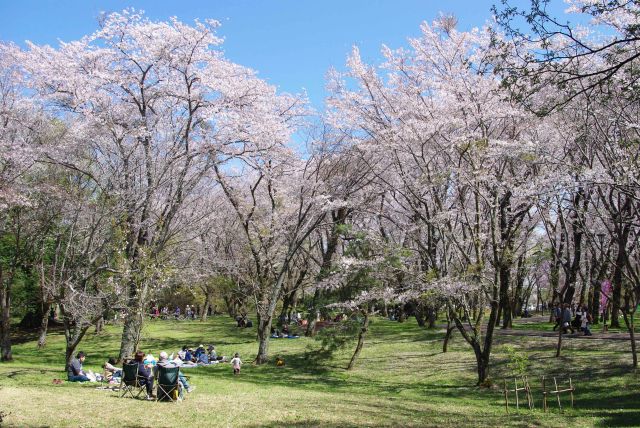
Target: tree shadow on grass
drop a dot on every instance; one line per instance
(300, 374)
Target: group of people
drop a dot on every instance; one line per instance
(563, 318)
(190, 312)
(285, 333)
(243, 322)
(148, 367)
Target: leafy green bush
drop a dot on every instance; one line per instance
(518, 362)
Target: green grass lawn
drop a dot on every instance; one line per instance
(402, 379)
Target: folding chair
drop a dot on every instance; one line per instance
(169, 388)
(129, 383)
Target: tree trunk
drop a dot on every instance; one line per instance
(447, 336)
(505, 278)
(617, 287)
(99, 325)
(205, 308)
(231, 309)
(628, 320)
(432, 316)
(338, 218)
(73, 337)
(264, 332)
(311, 316)
(131, 331)
(420, 314)
(44, 325)
(5, 321)
(402, 314)
(559, 347)
(361, 336)
(482, 363)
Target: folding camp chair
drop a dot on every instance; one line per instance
(130, 383)
(168, 384)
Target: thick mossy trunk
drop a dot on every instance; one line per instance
(264, 333)
(131, 332)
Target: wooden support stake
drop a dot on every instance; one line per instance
(506, 396)
(556, 391)
(515, 382)
(528, 392)
(571, 387)
(544, 396)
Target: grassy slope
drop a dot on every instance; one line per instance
(402, 379)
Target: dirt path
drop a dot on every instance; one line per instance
(596, 331)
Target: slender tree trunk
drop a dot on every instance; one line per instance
(505, 278)
(205, 308)
(559, 347)
(231, 309)
(361, 337)
(447, 336)
(5, 320)
(617, 284)
(44, 325)
(628, 320)
(311, 316)
(99, 325)
(73, 337)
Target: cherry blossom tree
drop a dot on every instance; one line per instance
(156, 105)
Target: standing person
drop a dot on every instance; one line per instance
(566, 319)
(236, 362)
(145, 377)
(586, 320)
(557, 312)
(75, 372)
(176, 314)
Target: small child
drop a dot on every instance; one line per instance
(236, 362)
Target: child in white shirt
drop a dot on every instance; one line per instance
(236, 362)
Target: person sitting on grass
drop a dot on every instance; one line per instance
(165, 362)
(188, 356)
(199, 351)
(75, 372)
(145, 378)
(112, 374)
(213, 355)
(236, 362)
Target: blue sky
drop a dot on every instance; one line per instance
(291, 43)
